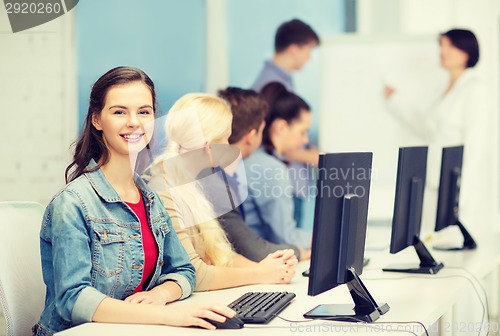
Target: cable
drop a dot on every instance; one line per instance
(265, 327)
(284, 319)
(484, 293)
(408, 331)
(407, 322)
(444, 277)
(292, 321)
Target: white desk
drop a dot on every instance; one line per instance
(422, 298)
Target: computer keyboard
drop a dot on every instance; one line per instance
(260, 307)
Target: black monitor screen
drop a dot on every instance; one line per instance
(449, 195)
(449, 186)
(343, 187)
(410, 183)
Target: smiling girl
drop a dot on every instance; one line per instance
(109, 253)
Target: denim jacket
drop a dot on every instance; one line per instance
(91, 248)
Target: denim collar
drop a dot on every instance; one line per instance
(106, 191)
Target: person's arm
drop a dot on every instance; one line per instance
(277, 267)
(246, 242)
(308, 156)
(305, 254)
(66, 237)
(210, 277)
(406, 112)
(277, 213)
(168, 291)
(177, 268)
(272, 195)
(204, 272)
(245, 272)
(287, 256)
(476, 170)
(116, 311)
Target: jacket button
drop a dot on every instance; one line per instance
(137, 266)
(157, 232)
(162, 263)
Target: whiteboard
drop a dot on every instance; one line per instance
(353, 115)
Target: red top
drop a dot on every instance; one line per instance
(148, 243)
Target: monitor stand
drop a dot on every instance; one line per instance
(427, 263)
(364, 309)
(469, 243)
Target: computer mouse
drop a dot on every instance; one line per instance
(230, 323)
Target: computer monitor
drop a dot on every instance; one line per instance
(406, 222)
(449, 195)
(339, 231)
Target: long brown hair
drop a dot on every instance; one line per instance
(91, 144)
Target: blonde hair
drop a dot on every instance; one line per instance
(193, 121)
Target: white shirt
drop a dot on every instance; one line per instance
(458, 117)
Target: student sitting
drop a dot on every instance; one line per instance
(249, 112)
(193, 124)
(108, 250)
(269, 208)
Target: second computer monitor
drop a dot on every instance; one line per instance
(408, 203)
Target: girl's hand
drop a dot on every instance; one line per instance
(185, 316)
(160, 295)
(278, 267)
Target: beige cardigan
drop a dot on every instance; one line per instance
(188, 234)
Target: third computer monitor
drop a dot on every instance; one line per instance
(407, 218)
(339, 231)
(449, 196)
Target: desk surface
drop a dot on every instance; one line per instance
(423, 298)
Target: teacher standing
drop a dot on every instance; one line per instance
(456, 115)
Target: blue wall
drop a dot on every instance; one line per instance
(251, 26)
(165, 38)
